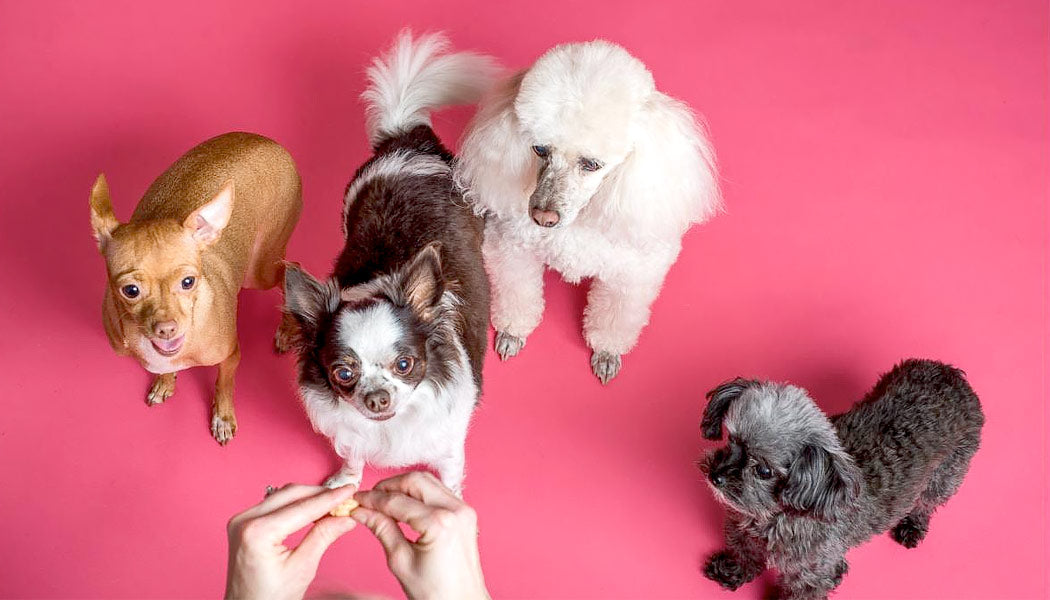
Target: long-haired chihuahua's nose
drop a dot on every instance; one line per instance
(165, 329)
(545, 218)
(377, 401)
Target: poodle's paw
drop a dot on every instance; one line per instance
(163, 388)
(341, 478)
(723, 568)
(223, 428)
(605, 365)
(910, 531)
(286, 336)
(508, 345)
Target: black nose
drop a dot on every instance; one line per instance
(377, 401)
(718, 479)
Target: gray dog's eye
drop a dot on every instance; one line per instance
(763, 471)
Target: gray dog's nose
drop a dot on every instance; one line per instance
(545, 218)
(377, 401)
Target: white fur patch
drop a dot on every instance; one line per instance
(402, 163)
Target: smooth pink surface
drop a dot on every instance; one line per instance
(885, 167)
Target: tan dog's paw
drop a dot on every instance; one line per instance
(605, 365)
(163, 388)
(287, 334)
(223, 429)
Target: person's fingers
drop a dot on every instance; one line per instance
(423, 487)
(395, 544)
(284, 495)
(288, 519)
(320, 537)
(400, 507)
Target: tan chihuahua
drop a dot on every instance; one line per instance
(216, 221)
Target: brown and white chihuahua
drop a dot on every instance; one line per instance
(217, 220)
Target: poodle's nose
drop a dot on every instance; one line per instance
(545, 218)
(377, 401)
(165, 329)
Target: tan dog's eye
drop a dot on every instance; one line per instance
(188, 282)
(403, 365)
(130, 291)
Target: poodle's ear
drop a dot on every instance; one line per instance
(821, 482)
(718, 403)
(496, 166)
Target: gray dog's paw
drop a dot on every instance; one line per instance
(910, 531)
(508, 345)
(605, 365)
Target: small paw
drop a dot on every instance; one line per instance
(508, 345)
(340, 479)
(163, 388)
(723, 569)
(287, 335)
(910, 531)
(223, 429)
(605, 365)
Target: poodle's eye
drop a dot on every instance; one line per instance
(589, 164)
(763, 471)
(542, 151)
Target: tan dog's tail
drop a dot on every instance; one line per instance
(417, 76)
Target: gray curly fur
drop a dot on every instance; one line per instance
(833, 483)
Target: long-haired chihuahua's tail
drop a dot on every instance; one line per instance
(416, 76)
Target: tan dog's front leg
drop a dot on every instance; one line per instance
(223, 421)
(163, 388)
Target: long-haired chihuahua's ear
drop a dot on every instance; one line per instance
(103, 220)
(307, 299)
(422, 282)
(718, 403)
(821, 483)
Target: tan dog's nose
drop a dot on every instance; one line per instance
(165, 329)
(545, 218)
(377, 401)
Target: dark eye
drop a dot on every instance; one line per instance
(589, 164)
(130, 291)
(403, 365)
(763, 471)
(187, 282)
(343, 374)
(542, 151)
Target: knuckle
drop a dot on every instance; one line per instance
(252, 529)
(445, 519)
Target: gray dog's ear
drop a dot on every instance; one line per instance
(718, 403)
(821, 483)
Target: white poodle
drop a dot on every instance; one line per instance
(580, 164)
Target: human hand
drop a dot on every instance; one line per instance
(260, 565)
(443, 562)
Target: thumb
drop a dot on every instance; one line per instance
(320, 537)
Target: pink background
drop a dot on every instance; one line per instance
(885, 172)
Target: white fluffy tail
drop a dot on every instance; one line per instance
(416, 76)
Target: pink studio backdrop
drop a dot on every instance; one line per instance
(885, 168)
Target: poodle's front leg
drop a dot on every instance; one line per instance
(516, 276)
(615, 315)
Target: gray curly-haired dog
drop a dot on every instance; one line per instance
(801, 489)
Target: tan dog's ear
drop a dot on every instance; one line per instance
(103, 221)
(207, 222)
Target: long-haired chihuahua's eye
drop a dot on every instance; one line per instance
(343, 374)
(542, 151)
(763, 471)
(589, 164)
(130, 291)
(187, 282)
(403, 365)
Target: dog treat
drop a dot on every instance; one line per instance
(345, 508)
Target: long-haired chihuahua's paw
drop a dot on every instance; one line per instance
(723, 569)
(605, 365)
(910, 531)
(508, 345)
(163, 388)
(223, 429)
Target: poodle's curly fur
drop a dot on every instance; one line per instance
(584, 134)
(801, 489)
